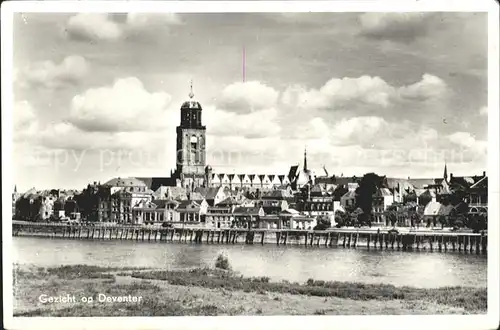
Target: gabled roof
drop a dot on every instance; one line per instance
(121, 192)
(437, 209)
(247, 210)
(276, 194)
(383, 192)
(349, 194)
(125, 182)
(292, 174)
(465, 181)
(318, 190)
(31, 191)
(183, 205)
(229, 201)
(344, 180)
(208, 193)
(481, 183)
(196, 196)
(160, 203)
(291, 212)
(421, 183)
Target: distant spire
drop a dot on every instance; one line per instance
(305, 159)
(15, 188)
(191, 94)
(445, 175)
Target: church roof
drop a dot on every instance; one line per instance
(155, 183)
(125, 182)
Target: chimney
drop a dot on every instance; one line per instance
(451, 176)
(484, 173)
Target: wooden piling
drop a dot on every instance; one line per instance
(286, 238)
(368, 240)
(484, 243)
(349, 241)
(212, 236)
(357, 239)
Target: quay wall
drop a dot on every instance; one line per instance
(343, 238)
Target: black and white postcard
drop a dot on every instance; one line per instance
(282, 165)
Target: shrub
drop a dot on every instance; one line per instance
(222, 262)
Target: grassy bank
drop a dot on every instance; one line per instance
(471, 299)
(222, 292)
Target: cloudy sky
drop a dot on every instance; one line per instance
(98, 95)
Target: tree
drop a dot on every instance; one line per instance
(340, 218)
(411, 197)
(323, 223)
(364, 194)
(391, 216)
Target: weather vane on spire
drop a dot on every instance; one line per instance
(191, 94)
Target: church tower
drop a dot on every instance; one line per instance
(191, 144)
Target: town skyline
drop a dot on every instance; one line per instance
(90, 92)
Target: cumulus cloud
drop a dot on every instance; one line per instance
(466, 140)
(124, 106)
(142, 20)
(346, 92)
(101, 26)
(247, 97)
(399, 27)
(65, 135)
(48, 74)
(25, 123)
(359, 130)
(24, 114)
(252, 125)
(93, 26)
(430, 87)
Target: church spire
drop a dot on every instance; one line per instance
(305, 159)
(445, 174)
(191, 94)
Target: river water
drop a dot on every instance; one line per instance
(417, 269)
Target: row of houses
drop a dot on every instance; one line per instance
(133, 201)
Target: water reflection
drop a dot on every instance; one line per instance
(420, 269)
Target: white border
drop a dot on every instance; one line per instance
(489, 321)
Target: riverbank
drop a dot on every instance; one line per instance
(345, 238)
(219, 292)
